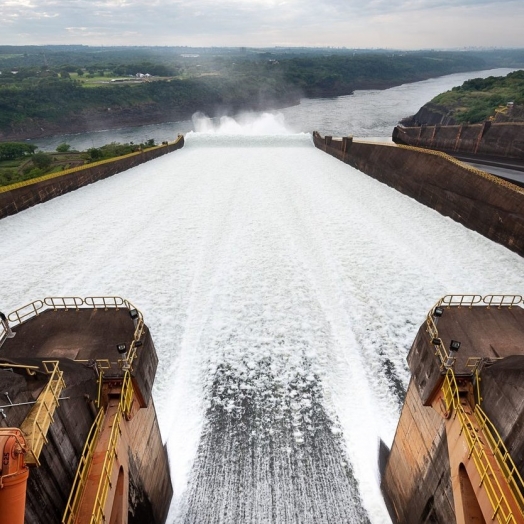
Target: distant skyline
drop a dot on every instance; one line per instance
(399, 24)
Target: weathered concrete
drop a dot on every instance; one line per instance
(429, 459)
(416, 481)
(27, 194)
(481, 202)
(76, 338)
(49, 485)
(502, 390)
(504, 140)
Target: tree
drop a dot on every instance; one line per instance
(63, 148)
(42, 160)
(14, 150)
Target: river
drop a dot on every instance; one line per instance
(370, 113)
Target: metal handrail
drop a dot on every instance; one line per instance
(502, 300)
(36, 435)
(501, 508)
(63, 302)
(33, 309)
(23, 314)
(460, 300)
(82, 471)
(104, 302)
(465, 300)
(124, 405)
(501, 453)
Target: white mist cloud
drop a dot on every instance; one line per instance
(250, 124)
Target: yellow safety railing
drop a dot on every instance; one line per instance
(502, 511)
(124, 406)
(63, 302)
(82, 471)
(502, 300)
(501, 453)
(30, 370)
(37, 423)
(460, 300)
(469, 301)
(33, 309)
(104, 302)
(20, 315)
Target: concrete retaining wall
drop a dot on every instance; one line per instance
(416, 482)
(18, 197)
(502, 390)
(505, 140)
(481, 202)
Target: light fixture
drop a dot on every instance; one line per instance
(121, 348)
(438, 311)
(138, 343)
(454, 345)
(133, 313)
(436, 341)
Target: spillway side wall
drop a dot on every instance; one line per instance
(501, 140)
(502, 392)
(492, 207)
(150, 488)
(25, 196)
(49, 485)
(416, 481)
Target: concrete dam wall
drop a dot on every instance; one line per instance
(17, 197)
(478, 200)
(493, 139)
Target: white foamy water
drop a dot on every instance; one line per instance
(283, 290)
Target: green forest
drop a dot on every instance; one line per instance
(479, 99)
(54, 84)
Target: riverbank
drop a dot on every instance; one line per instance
(38, 106)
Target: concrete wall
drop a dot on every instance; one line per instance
(21, 196)
(150, 489)
(502, 390)
(481, 202)
(501, 140)
(49, 485)
(416, 482)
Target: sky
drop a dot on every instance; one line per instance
(400, 24)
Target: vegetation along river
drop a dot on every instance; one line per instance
(370, 113)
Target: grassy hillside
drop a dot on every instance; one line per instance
(480, 99)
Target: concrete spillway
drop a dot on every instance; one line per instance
(283, 289)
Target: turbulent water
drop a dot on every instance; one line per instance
(283, 289)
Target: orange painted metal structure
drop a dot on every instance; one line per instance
(13, 476)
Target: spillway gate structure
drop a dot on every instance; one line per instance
(79, 434)
(458, 450)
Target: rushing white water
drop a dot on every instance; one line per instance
(283, 290)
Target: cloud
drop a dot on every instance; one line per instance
(350, 23)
